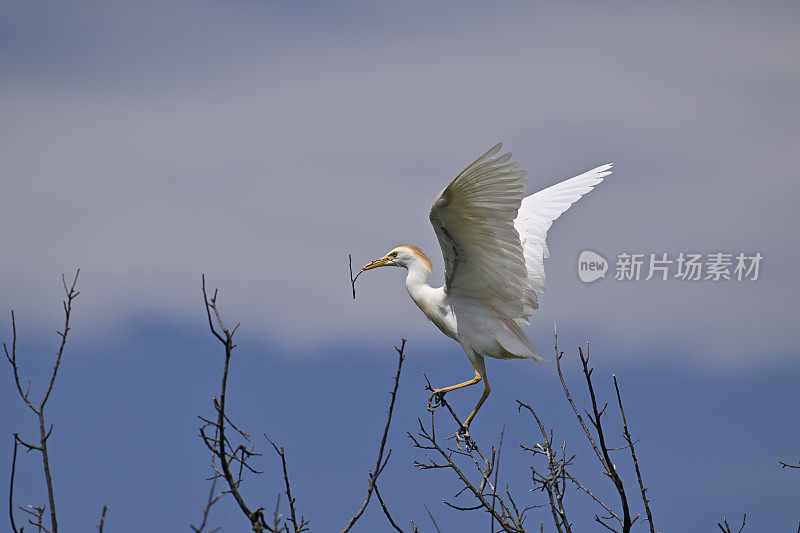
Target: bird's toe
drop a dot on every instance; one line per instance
(435, 399)
(462, 436)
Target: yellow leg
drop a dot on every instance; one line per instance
(480, 374)
(472, 381)
(486, 390)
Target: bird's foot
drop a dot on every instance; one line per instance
(435, 399)
(462, 436)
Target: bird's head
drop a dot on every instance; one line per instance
(404, 255)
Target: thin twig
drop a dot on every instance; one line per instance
(302, 524)
(496, 475)
(11, 485)
(353, 279)
(430, 515)
(727, 528)
(607, 463)
(102, 523)
(600, 502)
(37, 512)
(44, 431)
(380, 464)
(553, 482)
(428, 441)
(219, 444)
(212, 499)
(632, 448)
(386, 511)
(575, 410)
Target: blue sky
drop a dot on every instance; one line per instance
(262, 143)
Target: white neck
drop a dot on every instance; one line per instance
(430, 300)
(417, 285)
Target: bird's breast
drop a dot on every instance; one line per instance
(440, 314)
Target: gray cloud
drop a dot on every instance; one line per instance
(149, 144)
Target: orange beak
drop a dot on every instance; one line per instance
(375, 264)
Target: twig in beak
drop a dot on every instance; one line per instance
(353, 279)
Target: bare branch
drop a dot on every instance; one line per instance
(379, 463)
(37, 512)
(553, 481)
(586, 431)
(727, 528)
(11, 485)
(426, 439)
(463, 508)
(600, 502)
(388, 515)
(303, 524)
(219, 444)
(212, 499)
(496, 475)
(12, 359)
(44, 433)
(71, 295)
(225, 453)
(632, 448)
(607, 463)
(353, 279)
(102, 523)
(430, 515)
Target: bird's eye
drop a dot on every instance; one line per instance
(393, 255)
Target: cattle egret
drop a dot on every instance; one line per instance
(493, 242)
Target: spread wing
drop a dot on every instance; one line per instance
(537, 213)
(474, 221)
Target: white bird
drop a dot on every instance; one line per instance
(493, 242)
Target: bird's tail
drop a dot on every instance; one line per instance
(516, 344)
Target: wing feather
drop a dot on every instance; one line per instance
(474, 221)
(537, 213)
(493, 239)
